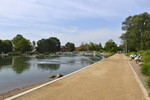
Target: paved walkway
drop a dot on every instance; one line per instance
(111, 79)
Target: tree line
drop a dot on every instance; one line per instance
(23, 45)
(52, 44)
(110, 46)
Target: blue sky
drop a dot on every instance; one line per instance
(69, 20)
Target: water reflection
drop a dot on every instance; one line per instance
(51, 67)
(20, 64)
(5, 62)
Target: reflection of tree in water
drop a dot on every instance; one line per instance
(51, 67)
(5, 61)
(20, 64)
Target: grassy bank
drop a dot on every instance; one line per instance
(145, 66)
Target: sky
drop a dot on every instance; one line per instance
(73, 21)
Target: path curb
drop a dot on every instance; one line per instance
(140, 83)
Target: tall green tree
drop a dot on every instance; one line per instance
(5, 46)
(51, 44)
(137, 32)
(110, 46)
(41, 46)
(8, 47)
(70, 46)
(17, 38)
(57, 41)
(93, 46)
(21, 44)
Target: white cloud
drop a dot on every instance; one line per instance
(37, 19)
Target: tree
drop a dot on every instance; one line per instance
(121, 48)
(137, 32)
(94, 47)
(100, 45)
(17, 38)
(51, 44)
(110, 46)
(91, 46)
(8, 47)
(83, 47)
(21, 44)
(5, 46)
(70, 46)
(43, 46)
(57, 41)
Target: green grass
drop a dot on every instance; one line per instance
(146, 59)
(145, 69)
(149, 94)
(147, 53)
(144, 52)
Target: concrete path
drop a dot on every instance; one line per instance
(111, 79)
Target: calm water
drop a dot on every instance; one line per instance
(17, 72)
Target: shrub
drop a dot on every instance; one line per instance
(146, 59)
(141, 52)
(146, 53)
(145, 69)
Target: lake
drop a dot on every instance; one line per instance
(20, 71)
